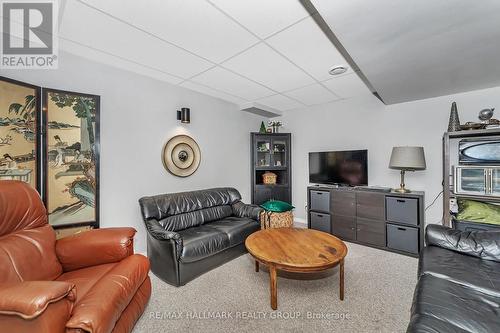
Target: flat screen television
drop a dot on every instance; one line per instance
(339, 167)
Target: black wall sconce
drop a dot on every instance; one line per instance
(184, 115)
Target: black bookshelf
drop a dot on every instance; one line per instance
(271, 152)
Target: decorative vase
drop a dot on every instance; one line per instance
(454, 123)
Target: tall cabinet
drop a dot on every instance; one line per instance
(271, 152)
(469, 175)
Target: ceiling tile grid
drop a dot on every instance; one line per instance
(244, 51)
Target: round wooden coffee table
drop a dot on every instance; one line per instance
(296, 250)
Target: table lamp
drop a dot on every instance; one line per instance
(407, 159)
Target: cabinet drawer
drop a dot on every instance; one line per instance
(402, 210)
(370, 205)
(402, 238)
(370, 231)
(344, 227)
(321, 222)
(320, 200)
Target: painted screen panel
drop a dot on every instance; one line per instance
(19, 119)
(72, 158)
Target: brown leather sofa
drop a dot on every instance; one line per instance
(89, 282)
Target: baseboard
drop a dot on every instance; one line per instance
(299, 223)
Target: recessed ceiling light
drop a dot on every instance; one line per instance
(337, 70)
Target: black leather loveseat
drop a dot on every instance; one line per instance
(458, 290)
(190, 233)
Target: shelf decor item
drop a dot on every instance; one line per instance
(275, 125)
(263, 129)
(269, 178)
(181, 156)
(407, 159)
(454, 123)
(486, 114)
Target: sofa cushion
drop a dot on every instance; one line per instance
(464, 308)
(164, 205)
(430, 324)
(102, 306)
(481, 244)
(196, 218)
(236, 228)
(201, 242)
(27, 255)
(85, 278)
(27, 242)
(473, 272)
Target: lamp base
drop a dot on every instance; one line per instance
(401, 190)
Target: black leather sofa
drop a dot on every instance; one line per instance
(458, 289)
(191, 233)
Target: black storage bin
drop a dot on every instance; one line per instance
(321, 222)
(402, 238)
(320, 201)
(402, 210)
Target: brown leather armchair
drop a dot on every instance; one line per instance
(89, 282)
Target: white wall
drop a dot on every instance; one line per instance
(137, 118)
(366, 123)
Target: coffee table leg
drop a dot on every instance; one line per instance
(342, 280)
(274, 291)
(256, 266)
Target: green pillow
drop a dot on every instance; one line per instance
(475, 211)
(277, 206)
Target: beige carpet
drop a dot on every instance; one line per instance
(233, 298)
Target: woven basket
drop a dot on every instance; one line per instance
(269, 178)
(271, 220)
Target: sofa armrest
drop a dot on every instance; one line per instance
(160, 234)
(481, 244)
(95, 247)
(29, 299)
(249, 211)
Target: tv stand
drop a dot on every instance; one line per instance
(386, 220)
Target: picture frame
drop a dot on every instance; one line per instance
(71, 158)
(20, 136)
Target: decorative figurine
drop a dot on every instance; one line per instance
(454, 123)
(486, 114)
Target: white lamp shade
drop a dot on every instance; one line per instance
(407, 158)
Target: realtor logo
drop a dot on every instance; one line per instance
(29, 34)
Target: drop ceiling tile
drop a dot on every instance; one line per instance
(224, 80)
(112, 36)
(347, 86)
(308, 47)
(280, 102)
(263, 17)
(195, 25)
(313, 94)
(264, 65)
(116, 62)
(212, 92)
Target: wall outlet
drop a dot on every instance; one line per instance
(453, 206)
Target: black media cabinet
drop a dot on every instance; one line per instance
(386, 220)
